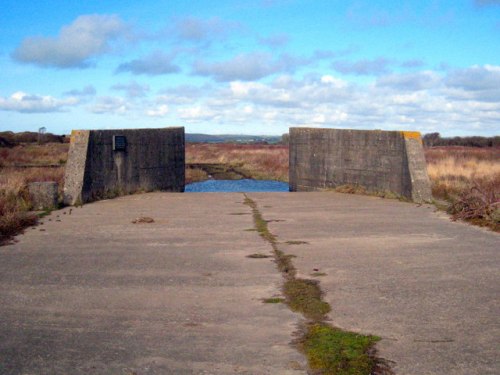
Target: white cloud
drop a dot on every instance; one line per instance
(249, 66)
(133, 89)
(415, 101)
(410, 81)
(87, 91)
(159, 111)
(157, 63)
(376, 66)
(87, 37)
(198, 30)
(28, 103)
(477, 82)
(110, 104)
(196, 114)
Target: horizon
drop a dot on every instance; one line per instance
(251, 68)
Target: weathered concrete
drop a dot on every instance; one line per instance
(428, 286)
(94, 293)
(44, 195)
(152, 159)
(378, 160)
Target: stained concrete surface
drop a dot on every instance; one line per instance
(94, 293)
(429, 287)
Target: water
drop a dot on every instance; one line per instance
(233, 186)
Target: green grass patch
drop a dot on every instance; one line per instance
(337, 352)
(329, 350)
(273, 300)
(304, 296)
(260, 223)
(318, 274)
(258, 256)
(297, 243)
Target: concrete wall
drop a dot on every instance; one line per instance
(153, 159)
(378, 160)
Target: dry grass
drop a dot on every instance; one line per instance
(33, 154)
(469, 180)
(14, 198)
(262, 162)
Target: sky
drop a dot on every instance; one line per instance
(251, 67)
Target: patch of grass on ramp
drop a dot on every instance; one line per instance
(304, 296)
(337, 352)
(329, 350)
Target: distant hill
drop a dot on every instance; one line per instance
(231, 138)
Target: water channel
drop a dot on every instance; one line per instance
(233, 186)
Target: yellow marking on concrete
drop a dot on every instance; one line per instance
(74, 134)
(411, 135)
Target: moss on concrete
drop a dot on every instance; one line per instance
(337, 352)
(329, 350)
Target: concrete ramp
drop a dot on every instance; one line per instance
(89, 292)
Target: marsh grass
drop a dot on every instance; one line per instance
(257, 161)
(15, 202)
(468, 180)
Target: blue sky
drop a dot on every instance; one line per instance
(251, 67)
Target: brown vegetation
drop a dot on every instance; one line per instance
(258, 161)
(20, 165)
(468, 179)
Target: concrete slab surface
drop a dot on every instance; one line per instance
(95, 294)
(91, 293)
(428, 286)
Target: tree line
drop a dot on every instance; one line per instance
(435, 139)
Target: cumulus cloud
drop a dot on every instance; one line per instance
(248, 67)
(87, 91)
(197, 114)
(480, 82)
(87, 37)
(157, 63)
(376, 66)
(159, 111)
(427, 101)
(410, 81)
(28, 103)
(110, 104)
(132, 89)
(476, 78)
(198, 30)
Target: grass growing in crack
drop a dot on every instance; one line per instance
(304, 296)
(258, 256)
(338, 352)
(260, 223)
(273, 300)
(318, 274)
(297, 242)
(329, 350)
